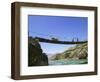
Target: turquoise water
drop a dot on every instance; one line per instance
(67, 62)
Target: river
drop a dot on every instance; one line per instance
(67, 62)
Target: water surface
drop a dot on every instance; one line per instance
(67, 62)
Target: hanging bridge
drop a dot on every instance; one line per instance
(56, 41)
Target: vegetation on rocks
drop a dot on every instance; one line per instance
(36, 57)
(79, 51)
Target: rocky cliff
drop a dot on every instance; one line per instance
(36, 57)
(79, 51)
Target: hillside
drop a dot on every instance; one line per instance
(79, 51)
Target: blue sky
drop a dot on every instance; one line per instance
(62, 27)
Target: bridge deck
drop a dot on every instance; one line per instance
(59, 42)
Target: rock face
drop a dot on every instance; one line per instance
(36, 57)
(79, 51)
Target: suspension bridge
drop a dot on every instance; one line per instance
(55, 41)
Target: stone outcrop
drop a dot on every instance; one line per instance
(36, 57)
(80, 51)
